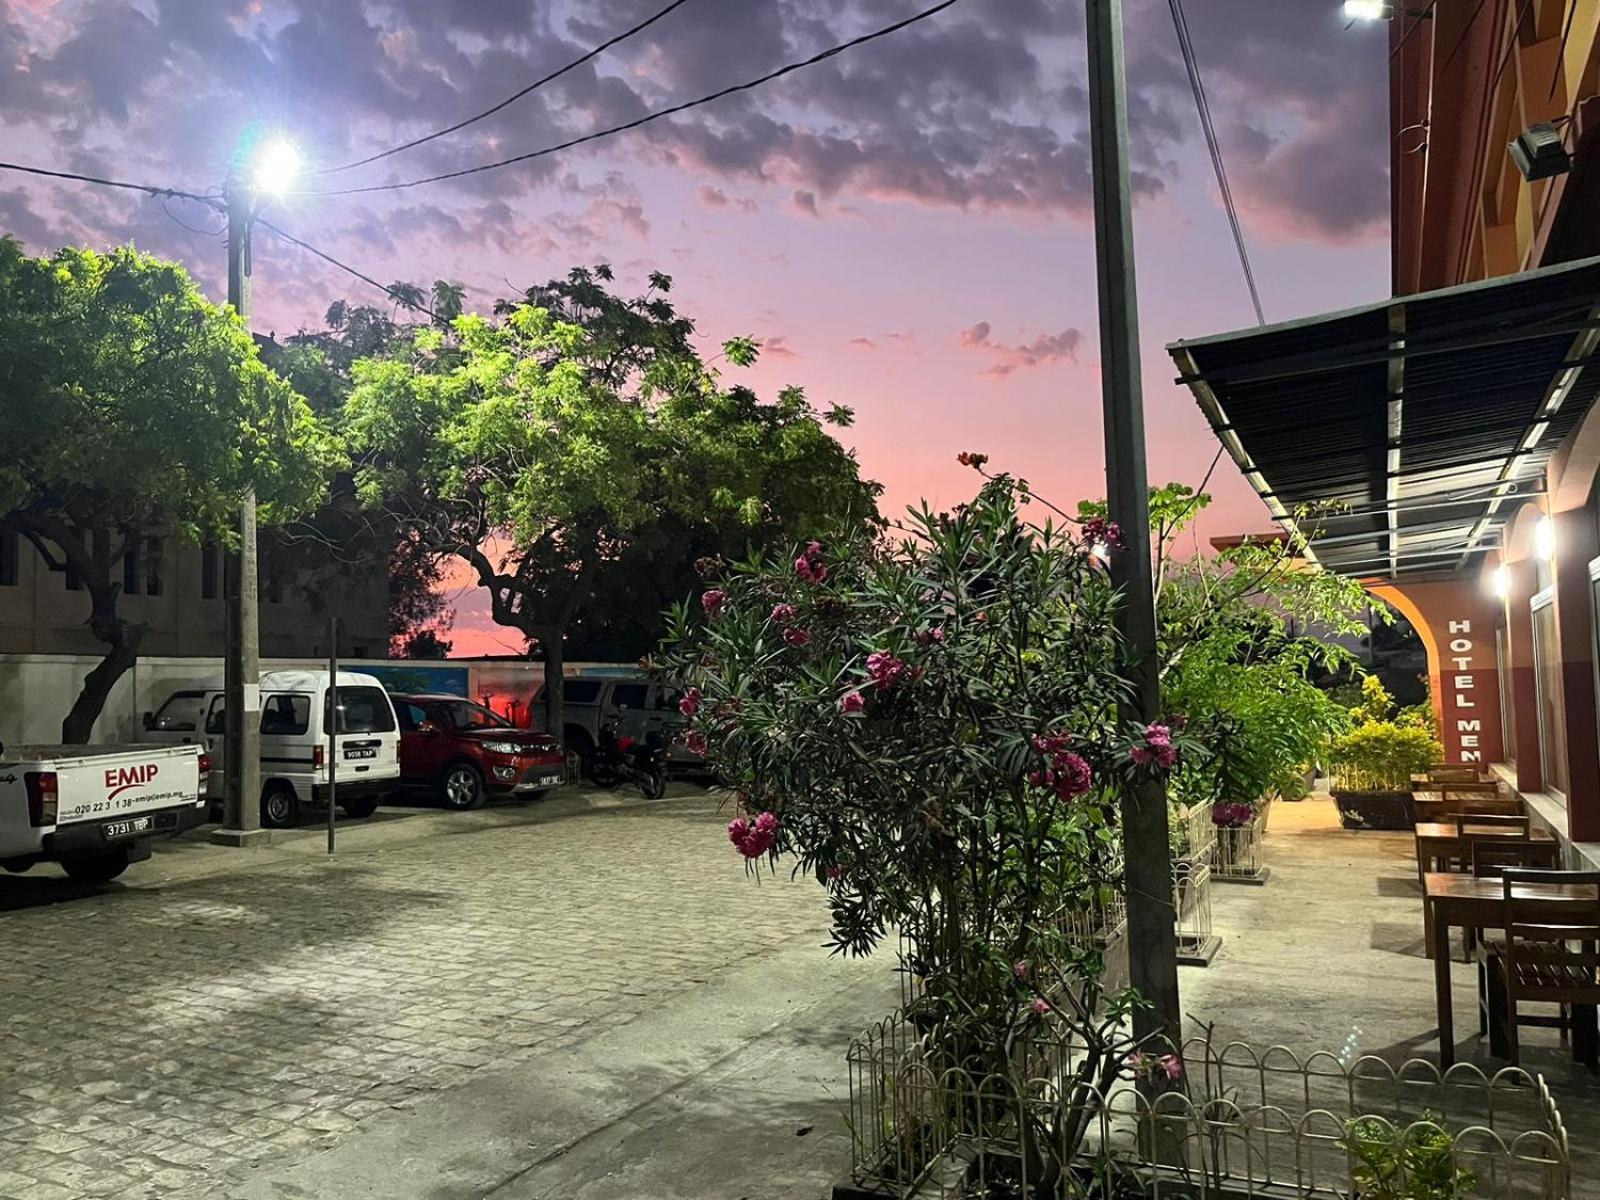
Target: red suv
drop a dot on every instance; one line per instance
(471, 753)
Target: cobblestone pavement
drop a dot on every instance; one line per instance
(153, 1037)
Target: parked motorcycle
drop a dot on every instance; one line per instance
(619, 758)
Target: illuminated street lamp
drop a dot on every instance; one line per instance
(1368, 10)
(263, 166)
(1500, 581)
(1544, 538)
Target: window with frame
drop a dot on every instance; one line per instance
(1547, 685)
(362, 709)
(180, 714)
(629, 695)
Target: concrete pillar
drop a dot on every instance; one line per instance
(1575, 545)
(1524, 583)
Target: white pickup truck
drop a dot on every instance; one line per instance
(95, 809)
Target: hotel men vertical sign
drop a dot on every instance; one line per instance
(1468, 686)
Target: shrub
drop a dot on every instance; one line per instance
(1381, 756)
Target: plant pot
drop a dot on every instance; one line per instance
(1375, 810)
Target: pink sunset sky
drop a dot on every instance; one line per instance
(905, 227)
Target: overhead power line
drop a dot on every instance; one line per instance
(511, 99)
(1180, 23)
(148, 188)
(345, 267)
(653, 116)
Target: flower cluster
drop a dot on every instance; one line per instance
(753, 839)
(696, 742)
(782, 614)
(886, 670)
(1097, 531)
(1232, 816)
(690, 703)
(852, 702)
(1157, 748)
(1065, 773)
(713, 602)
(809, 566)
(1169, 1065)
(796, 637)
(969, 458)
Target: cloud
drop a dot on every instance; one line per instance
(778, 347)
(804, 203)
(863, 343)
(1008, 358)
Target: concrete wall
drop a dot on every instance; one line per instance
(41, 614)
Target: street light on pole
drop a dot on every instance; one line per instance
(262, 168)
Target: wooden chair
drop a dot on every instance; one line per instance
(1544, 958)
(1480, 787)
(1453, 773)
(1473, 804)
(1490, 856)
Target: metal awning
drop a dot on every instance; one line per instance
(1410, 425)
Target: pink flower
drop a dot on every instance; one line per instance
(754, 840)
(782, 614)
(1141, 755)
(767, 823)
(738, 830)
(796, 637)
(1166, 756)
(807, 565)
(1158, 735)
(1020, 968)
(712, 601)
(690, 703)
(835, 872)
(696, 742)
(1135, 1061)
(885, 669)
(1073, 776)
(853, 702)
(1097, 531)
(1171, 1064)
(927, 637)
(1042, 777)
(1040, 1005)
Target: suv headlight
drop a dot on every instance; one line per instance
(503, 747)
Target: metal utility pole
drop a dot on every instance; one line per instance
(241, 813)
(1152, 941)
(335, 720)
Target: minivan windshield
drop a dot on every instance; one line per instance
(362, 709)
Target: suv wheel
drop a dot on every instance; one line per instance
(463, 787)
(95, 868)
(280, 808)
(359, 809)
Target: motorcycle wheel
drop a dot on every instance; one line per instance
(605, 776)
(653, 783)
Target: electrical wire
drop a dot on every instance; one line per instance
(1461, 39)
(1561, 52)
(653, 116)
(1180, 24)
(1416, 24)
(511, 99)
(345, 267)
(147, 188)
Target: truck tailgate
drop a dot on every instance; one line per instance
(122, 784)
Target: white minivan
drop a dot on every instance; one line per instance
(294, 740)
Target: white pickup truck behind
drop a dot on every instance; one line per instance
(95, 809)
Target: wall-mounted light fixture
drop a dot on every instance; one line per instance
(1539, 153)
(1500, 581)
(1544, 538)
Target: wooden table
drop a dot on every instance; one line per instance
(1468, 902)
(1432, 806)
(1439, 839)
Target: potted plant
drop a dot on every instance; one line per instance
(1371, 764)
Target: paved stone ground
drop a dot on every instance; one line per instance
(227, 1013)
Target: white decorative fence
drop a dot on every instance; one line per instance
(1239, 850)
(1245, 1125)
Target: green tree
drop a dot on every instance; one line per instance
(134, 409)
(571, 435)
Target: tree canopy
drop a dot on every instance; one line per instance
(135, 409)
(578, 436)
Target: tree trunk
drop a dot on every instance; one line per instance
(551, 641)
(122, 640)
